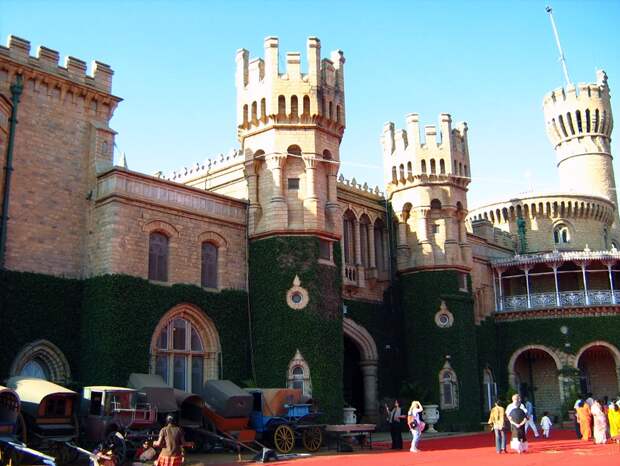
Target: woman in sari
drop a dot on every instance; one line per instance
(584, 416)
(600, 422)
(613, 414)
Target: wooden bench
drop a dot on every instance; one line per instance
(341, 432)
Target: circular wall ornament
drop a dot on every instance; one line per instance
(297, 297)
(443, 317)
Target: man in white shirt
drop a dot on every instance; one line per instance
(516, 403)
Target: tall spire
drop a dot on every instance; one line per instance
(557, 40)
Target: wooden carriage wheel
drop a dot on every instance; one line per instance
(283, 438)
(312, 438)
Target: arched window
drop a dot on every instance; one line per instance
(561, 234)
(448, 388)
(331, 110)
(281, 106)
(423, 166)
(348, 237)
(254, 112)
(294, 107)
(380, 258)
(338, 114)
(158, 257)
(327, 155)
(489, 389)
(306, 106)
(208, 277)
(43, 360)
(442, 166)
(298, 375)
(263, 109)
(435, 204)
(185, 349)
(365, 240)
(245, 115)
(433, 169)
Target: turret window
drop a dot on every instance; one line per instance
(293, 183)
(561, 234)
(158, 257)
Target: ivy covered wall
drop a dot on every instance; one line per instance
(315, 330)
(428, 345)
(104, 325)
(35, 307)
(120, 314)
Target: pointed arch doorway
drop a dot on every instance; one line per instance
(360, 370)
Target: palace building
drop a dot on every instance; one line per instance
(267, 267)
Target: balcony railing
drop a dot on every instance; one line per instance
(350, 275)
(575, 298)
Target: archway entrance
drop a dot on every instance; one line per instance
(535, 376)
(353, 380)
(598, 371)
(361, 360)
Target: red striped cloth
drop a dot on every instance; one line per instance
(169, 461)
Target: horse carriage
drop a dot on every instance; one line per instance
(279, 416)
(48, 420)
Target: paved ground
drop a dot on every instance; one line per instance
(454, 449)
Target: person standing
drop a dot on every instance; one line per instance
(497, 420)
(171, 442)
(415, 423)
(577, 429)
(394, 418)
(584, 416)
(517, 415)
(545, 424)
(600, 422)
(529, 407)
(613, 414)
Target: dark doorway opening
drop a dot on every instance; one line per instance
(353, 383)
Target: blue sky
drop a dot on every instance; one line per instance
(487, 63)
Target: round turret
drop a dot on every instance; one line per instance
(579, 124)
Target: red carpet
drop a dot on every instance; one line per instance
(562, 449)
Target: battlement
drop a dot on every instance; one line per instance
(577, 111)
(47, 60)
(437, 151)
(266, 95)
(208, 166)
(326, 72)
(352, 184)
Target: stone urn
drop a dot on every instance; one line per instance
(431, 417)
(349, 416)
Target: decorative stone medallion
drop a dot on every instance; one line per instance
(297, 297)
(443, 317)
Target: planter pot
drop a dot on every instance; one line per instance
(431, 416)
(349, 416)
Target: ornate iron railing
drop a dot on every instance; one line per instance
(575, 298)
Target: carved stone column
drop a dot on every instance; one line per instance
(334, 216)
(277, 211)
(312, 217)
(254, 207)
(369, 374)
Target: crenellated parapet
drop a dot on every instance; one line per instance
(69, 83)
(353, 185)
(266, 96)
(579, 123)
(440, 155)
(204, 168)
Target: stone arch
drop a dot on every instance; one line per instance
(213, 237)
(47, 353)
(614, 351)
(298, 361)
(159, 225)
(206, 329)
(369, 362)
(523, 349)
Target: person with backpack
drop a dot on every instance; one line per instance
(415, 423)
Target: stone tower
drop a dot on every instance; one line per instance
(427, 186)
(290, 125)
(579, 124)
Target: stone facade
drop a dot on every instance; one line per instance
(410, 252)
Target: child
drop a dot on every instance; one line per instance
(546, 424)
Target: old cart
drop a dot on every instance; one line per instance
(50, 416)
(186, 407)
(279, 416)
(116, 415)
(12, 451)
